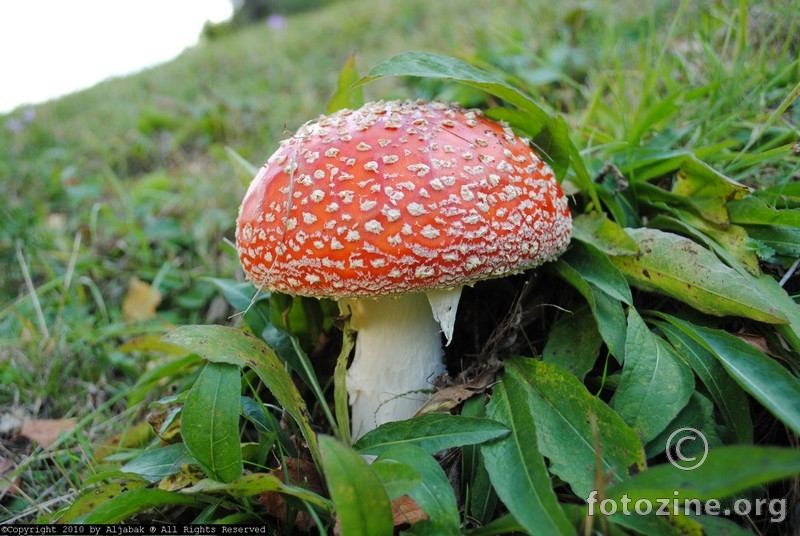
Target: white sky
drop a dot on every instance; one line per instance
(52, 47)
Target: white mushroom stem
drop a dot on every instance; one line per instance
(398, 354)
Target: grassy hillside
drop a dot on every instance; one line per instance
(119, 202)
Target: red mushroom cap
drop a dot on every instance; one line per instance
(399, 197)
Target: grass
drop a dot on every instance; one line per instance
(133, 180)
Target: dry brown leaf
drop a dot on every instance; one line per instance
(140, 301)
(46, 431)
(756, 341)
(406, 512)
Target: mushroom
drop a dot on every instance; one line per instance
(391, 209)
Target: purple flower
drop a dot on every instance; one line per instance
(276, 22)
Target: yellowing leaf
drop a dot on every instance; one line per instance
(140, 301)
(682, 269)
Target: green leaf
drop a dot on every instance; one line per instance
(574, 342)
(684, 270)
(564, 411)
(516, 467)
(362, 505)
(608, 312)
(346, 95)
(480, 497)
(93, 497)
(288, 349)
(754, 211)
(778, 295)
(210, 421)
(256, 484)
(697, 414)
(655, 383)
(721, 475)
(230, 345)
(398, 478)
(784, 240)
(706, 189)
(596, 268)
(552, 144)
(731, 242)
(432, 432)
(728, 397)
(153, 465)
(434, 494)
(431, 65)
(597, 230)
(121, 507)
(762, 377)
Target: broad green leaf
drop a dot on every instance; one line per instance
(706, 189)
(257, 483)
(516, 467)
(752, 210)
(655, 383)
(552, 144)
(230, 345)
(596, 229)
(346, 95)
(596, 268)
(725, 472)
(288, 349)
(361, 503)
(762, 377)
(153, 465)
(645, 163)
(479, 495)
(434, 494)
(93, 497)
(398, 478)
(654, 525)
(123, 506)
(564, 411)
(550, 141)
(267, 425)
(684, 270)
(505, 524)
(432, 432)
(210, 421)
(784, 240)
(697, 414)
(608, 312)
(731, 243)
(728, 397)
(574, 342)
(719, 526)
(778, 295)
(431, 65)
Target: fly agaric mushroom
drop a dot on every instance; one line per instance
(391, 209)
